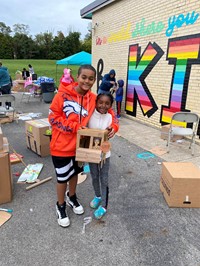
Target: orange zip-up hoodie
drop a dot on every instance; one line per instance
(69, 111)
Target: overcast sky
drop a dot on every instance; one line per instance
(46, 15)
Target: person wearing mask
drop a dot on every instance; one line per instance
(108, 82)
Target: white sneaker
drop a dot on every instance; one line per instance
(74, 204)
(63, 219)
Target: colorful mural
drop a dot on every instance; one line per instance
(143, 28)
(182, 53)
(139, 66)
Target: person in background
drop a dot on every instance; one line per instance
(5, 81)
(31, 70)
(25, 74)
(70, 111)
(108, 82)
(119, 96)
(101, 119)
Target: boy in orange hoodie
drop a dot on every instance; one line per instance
(71, 110)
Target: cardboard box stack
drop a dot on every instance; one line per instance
(5, 171)
(180, 184)
(36, 136)
(165, 132)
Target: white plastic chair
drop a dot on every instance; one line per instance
(5, 101)
(188, 118)
(31, 90)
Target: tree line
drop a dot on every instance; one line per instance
(18, 44)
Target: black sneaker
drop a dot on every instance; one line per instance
(74, 204)
(63, 219)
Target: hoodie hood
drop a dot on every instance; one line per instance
(112, 72)
(120, 83)
(68, 89)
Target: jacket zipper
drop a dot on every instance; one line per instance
(81, 109)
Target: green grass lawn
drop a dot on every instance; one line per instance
(41, 68)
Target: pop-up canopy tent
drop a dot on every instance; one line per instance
(80, 58)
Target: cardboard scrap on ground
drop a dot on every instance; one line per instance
(28, 116)
(81, 177)
(4, 217)
(158, 150)
(15, 158)
(5, 119)
(30, 173)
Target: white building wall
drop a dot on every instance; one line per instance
(113, 27)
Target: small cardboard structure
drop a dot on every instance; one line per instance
(5, 174)
(89, 143)
(180, 184)
(165, 132)
(36, 138)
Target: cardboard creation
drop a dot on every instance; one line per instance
(89, 145)
(5, 174)
(165, 132)
(36, 139)
(180, 184)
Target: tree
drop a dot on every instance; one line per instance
(21, 29)
(72, 43)
(6, 47)
(87, 42)
(23, 46)
(57, 48)
(44, 42)
(5, 30)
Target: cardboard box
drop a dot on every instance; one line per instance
(36, 139)
(180, 184)
(19, 86)
(165, 132)
(6, 184)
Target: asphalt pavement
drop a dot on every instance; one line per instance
(139, 228)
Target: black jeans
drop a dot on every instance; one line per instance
(6, 89)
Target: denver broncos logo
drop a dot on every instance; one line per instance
(74, 107)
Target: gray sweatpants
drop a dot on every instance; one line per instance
(100, 180)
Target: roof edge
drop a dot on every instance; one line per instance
(87, 11)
